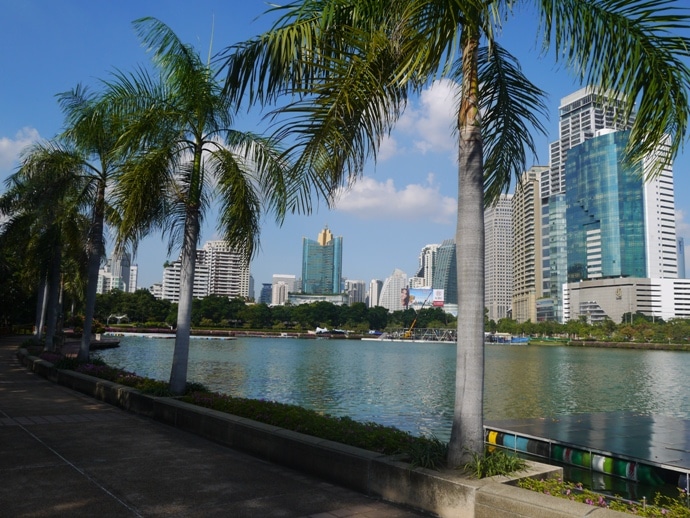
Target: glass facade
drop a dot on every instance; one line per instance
(445, 274)
(322, 266)
(605, 225)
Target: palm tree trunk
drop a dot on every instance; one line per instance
(95, 252)
(178, 371)
(41, 306)
(53, 299)
(467, 434)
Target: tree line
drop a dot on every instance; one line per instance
(144, 310)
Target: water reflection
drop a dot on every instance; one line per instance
(411, 386)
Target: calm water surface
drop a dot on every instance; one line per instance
(411, 386)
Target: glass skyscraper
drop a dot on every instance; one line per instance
(322, 264)
(605, 220)
(445, 271)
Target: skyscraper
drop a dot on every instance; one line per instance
(427, 258)
(322, 264)
(527, 246)
(445, 272)
(622, 249)
(218, 271)
(617, 224)
(498, 258)
(580, 116)
(392, 288)
(374, 292)
(228, 271)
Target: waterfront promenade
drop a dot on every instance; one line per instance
(65, 454)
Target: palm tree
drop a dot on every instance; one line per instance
(182, 153)
(43, 206)
(350, 65)
(93, 133)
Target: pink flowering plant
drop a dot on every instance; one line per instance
(663, 506)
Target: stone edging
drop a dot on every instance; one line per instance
(444, 494)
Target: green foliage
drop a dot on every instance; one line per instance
(665, 506)
(496, 462)
(430, 453)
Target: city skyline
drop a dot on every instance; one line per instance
(400, 205)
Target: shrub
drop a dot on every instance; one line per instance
(494, 462)
(665, 506)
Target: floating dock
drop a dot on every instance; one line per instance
(651, 450)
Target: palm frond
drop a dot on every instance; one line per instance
(240, 202)
(512, 109)
(637, 50)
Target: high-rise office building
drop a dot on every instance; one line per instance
(279, 293)
(265, 295)
(617, 224)
(133, 278)
(289, 280)
(527, 245)
(445, 272)
(622, 249)
(580, 116)
(498, 258)
(322, 264)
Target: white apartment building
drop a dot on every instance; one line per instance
(133, 278)
(375, 286)
(391, 291)
(289, 280)
(219, 271)
(279, 293)
(498, 258)
(227, 270)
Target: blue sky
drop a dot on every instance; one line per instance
(403, 202)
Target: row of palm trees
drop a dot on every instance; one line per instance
(338, 74)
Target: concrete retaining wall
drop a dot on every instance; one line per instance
(443, 493)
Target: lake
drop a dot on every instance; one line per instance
(411, 385)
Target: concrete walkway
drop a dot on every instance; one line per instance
(63, 454)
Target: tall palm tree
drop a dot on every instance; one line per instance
(43, 205)
(183, 153)
(93, 133)
(350, 66)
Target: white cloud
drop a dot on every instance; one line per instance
(388, 148)
(11, 147)
(431, 123)
(370, 199)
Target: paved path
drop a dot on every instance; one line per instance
(64, 454)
